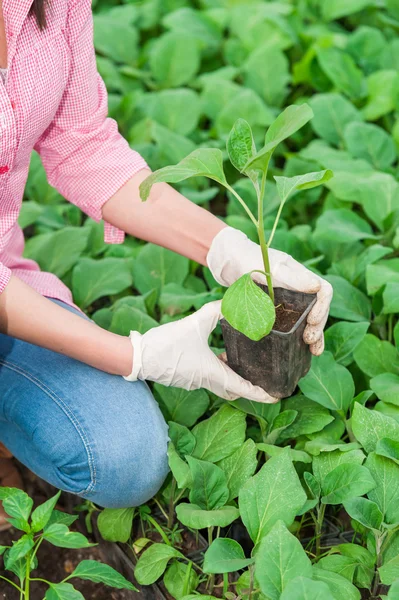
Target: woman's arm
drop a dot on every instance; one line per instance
(167, 218)
(26, 315)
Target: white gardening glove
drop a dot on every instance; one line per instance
(177, 354)
(232, 255)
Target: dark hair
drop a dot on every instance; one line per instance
(38, 9)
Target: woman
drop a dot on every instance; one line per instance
(74, 406)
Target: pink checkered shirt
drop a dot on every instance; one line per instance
(55, 102)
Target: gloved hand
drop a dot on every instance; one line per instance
(232, 255)
(177, 354)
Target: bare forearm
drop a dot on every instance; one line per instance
(26, 315)
(167, 218)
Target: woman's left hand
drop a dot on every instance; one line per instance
(232, 255)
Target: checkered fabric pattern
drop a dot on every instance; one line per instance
(54, 101)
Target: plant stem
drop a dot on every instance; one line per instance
(378, 545)
(225, 583)
(27, 576)
(160, 508)
(390, 328)
(262, 238)
(251, 582)
(243, 204)
(171, 514)
(210, 532)
(159, 529)
(319, 526)
(12, 583)
(275, 224)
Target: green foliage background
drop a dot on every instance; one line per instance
(179, 74)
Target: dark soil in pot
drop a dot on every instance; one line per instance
(278, 361)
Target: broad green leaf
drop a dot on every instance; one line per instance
(343, 565)
(152, 563)
(127, 318)
(16, 503)
(326, 462)
(176, 299)
(182, 438)
(58, 252)
(343, 338)
(267, 412)
(180, 579)
(332, 113)
(175, 59)
(339, 586)
(240, 145)
(364, 560)
(365, 512)
(389, 572)
(369, 426)
(381, 87)
(372, 143)
(248, 308)
(288, 185)
(386, 387)
(193, 516)
(239, 467)
(176, 109)
(182, 406)
(93, 279)
(386, 493)
(311, 417)
(375, 357)
(155, 267)
(281, 422)
(59, 535)
(209, 488)
(199, 25)
(342, 71)
(92, 570)
(173, 146)
(346, 481)
(180, 469)
(19, 550)
(62, 591)
(58, 516)
(279, 559)
(388, 448)
(342, 226)
(42, 514)
(245, 104)
(390, 297)
(115, 524)
(267, 72)
(295, 455)
(393, 593)
(304, 588)
(220, 435)
(287, 123)
(343, 8)
(348, 302)
(116, 39)
(328, 383)
(381, 273)
(202, 162)
(273, 494)
(225, 556)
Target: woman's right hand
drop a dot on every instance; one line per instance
(178, 354)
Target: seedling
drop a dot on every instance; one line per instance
(247, 307)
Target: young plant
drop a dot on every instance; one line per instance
(46, 524)
(245, 305)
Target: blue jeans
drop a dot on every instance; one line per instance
(80, 429)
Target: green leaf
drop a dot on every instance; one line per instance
(152, 563)
(248, 308)
(193, 516)
(346, 481)
(377, 275)
(328, 383)
(342, 226)
(295, 455)
(386, 493)
(386, 387)
(127, 318)
(326, 462)
(369, 426)
(381, 87)
(304, 588)
(155, 267)
(287, 123)
(241, 146)
(180, 579)
(239, 467)
(220, 435)
(204, 162)
(117, 40)
(343, 338)
(348, 302)
(182, 438)
(332, 113)
(19, 550)
(92, 570)
(267, 72)
(177, 110)
(16, 503)
(175, 59)
(92, 279)
(176, 299)
(288, 185)
(365, 512)
(42, 514)
(182, 406)
(393, 593)
(115, 524)
(62, 591)
(311, 417)
(388, 448)
(280, 423)
(60, 517)
(273, 494)
(180, 469)
(339, 586)
(375, 357)
(225, 556)
(59, 535)
(343, 8)
(343, 565)
(342, 71)
(372, 143)
(209, 489)
(390, 297)
(280, 558)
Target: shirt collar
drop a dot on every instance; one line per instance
(15, 14)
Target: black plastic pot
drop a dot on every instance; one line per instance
(278, 361)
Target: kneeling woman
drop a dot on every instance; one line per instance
(74, 405)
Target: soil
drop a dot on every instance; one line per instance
(285, 319)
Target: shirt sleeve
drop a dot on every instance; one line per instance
(5, 276)
(85, 157)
